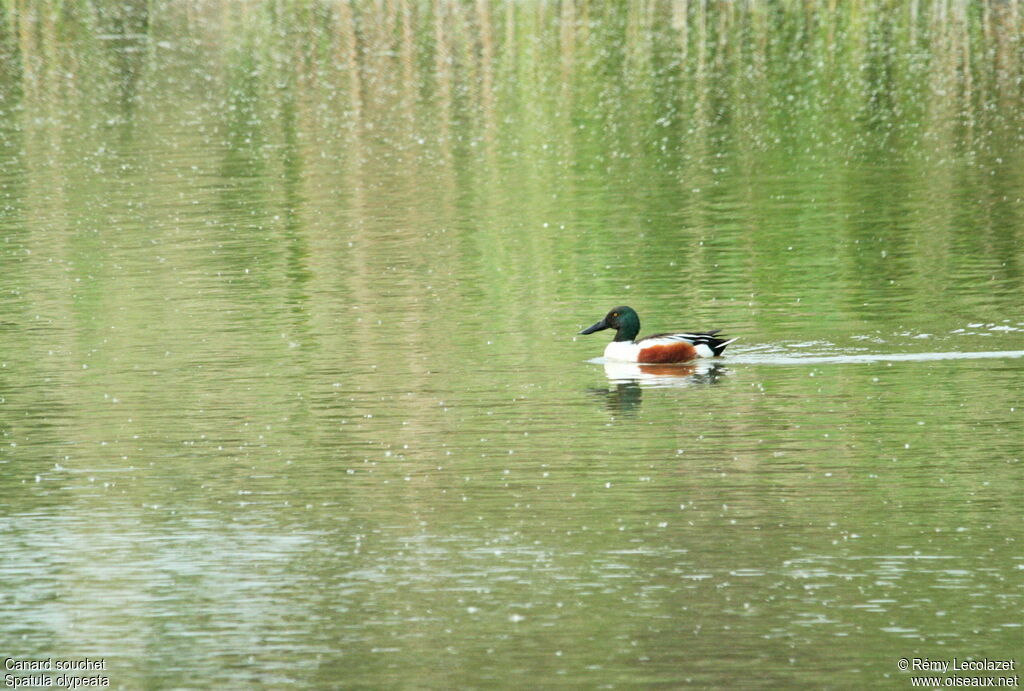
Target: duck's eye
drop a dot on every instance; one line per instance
(615, 314)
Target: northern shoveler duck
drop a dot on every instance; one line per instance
(663, 348)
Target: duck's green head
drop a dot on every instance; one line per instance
(623, 319)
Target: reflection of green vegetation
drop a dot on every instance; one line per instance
(657, 124)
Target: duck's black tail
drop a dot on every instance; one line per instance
(709, 339)
(718, 345)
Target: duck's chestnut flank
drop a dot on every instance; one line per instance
(675, 352)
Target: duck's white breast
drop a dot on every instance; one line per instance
(622, 350)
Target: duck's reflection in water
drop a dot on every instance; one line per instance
(629, 379)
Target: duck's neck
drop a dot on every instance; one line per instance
(629, 327)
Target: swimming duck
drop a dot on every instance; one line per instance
(669, 347)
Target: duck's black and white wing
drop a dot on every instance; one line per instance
(705, 342)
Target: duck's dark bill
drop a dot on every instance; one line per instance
(600, 326)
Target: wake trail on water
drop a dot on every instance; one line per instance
(775, 359)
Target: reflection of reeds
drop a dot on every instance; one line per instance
(462, 60)
(644, 91)
(980, 40)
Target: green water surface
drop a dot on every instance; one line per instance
(291, 394)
